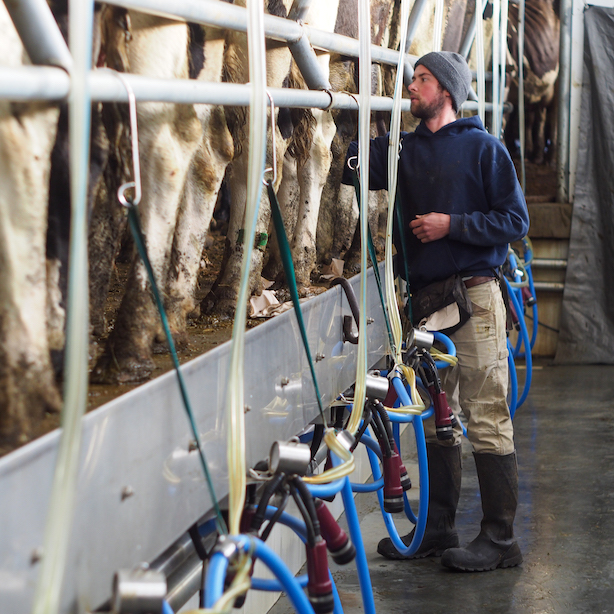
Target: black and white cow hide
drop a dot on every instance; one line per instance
(541, 69)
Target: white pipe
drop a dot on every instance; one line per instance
(503, 62)
(496, 23)
(438, 25)
(564, 102)
(228, 16)
(53, 84)
(39, 33)
(521, 118)
(61, 508)
(479, 39)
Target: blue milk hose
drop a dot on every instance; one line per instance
(527, 345)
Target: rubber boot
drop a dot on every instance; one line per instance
(444, 490)
(495, 546)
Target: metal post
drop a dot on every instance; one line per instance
(39, 33)
(562, 146)
(307, 63)
(412, 26)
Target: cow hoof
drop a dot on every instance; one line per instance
(109, 370)
(181, 341)
(221, 303)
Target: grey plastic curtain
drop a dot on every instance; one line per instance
(587, 318)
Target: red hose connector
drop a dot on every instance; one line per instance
(337, 541)
(319, 585)
(393, 491)
(405, 480)
(527, 298)
(444, 417)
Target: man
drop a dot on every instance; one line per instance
(462, 204)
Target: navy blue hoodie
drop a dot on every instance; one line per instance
(465, 172)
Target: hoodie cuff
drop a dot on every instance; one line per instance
(456, 226)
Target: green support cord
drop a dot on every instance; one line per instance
(139, 239)
(403, 254)
(373, 257)
(286, 258)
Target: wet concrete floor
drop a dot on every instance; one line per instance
(565, 521)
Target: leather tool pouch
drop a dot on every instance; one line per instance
(443, 305)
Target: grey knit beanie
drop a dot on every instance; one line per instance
(452, 72)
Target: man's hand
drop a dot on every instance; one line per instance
(431, 227)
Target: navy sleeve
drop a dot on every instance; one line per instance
(378, 163)
(507, 219)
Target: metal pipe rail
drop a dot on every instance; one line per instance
(228, 16)
(53, 84)
(45, 83)
(548, 263)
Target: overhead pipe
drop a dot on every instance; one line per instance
(299, 9)
(307, 62)
(228, 16)
(412, 27)
(39, 33)
(33, 83)
(564, 94)
(53, 84)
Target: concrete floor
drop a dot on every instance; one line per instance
(564, 524)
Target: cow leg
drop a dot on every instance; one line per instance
(538, 127)
(288, 196)
(167, 150)
(222, 299)
(196, 211)
(27, 385)
(312, 177)
(346, 220)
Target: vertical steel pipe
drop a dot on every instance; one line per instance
(564, 102)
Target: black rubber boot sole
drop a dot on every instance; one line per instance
(461, 559)
(387, 550)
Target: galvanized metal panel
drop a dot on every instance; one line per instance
(139, 444)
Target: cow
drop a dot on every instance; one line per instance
(541, 68)
(303, 157)
(27, 134)
(184, 152)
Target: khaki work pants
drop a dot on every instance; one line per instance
(477, 385)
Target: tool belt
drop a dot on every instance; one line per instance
(443, 305)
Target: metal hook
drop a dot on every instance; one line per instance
(134, 139)
(332, 100)
(349, 160)
(273, 147)
(353, 96)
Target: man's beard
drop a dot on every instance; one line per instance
(428, 111)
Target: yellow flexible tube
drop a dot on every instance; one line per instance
(347, 466)
(257, 138)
